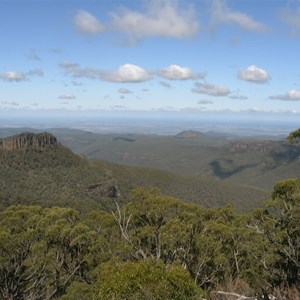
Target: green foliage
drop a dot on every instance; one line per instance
(283, 230)
(44, 250)
(148, 279)
(154, 247)
(79, 291)
(287, 190)
(294, 136)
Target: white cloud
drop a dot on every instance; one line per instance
(126, 73)
(292, 95)
(176, 72)
(292, 19)
(124, 91)
(161, 18)
(211, 89)
(221, 14)
(13, 76)
(67, 96)
(86, 23)
(254, 74)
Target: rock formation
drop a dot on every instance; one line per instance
(260, 146)
(28, 141)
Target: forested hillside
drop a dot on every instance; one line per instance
(253, 161)
(53, 175)
(155, 247)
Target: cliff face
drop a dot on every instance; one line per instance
(260, 146)
(27, 141)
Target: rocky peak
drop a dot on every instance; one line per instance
(26, 141)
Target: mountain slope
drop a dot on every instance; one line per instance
(205, 191)
(52, 175)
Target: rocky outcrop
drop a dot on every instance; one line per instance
(259, 146)
(28, 141)
(106, 189)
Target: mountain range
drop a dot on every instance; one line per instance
(197, 167)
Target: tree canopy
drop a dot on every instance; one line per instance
(155, 247)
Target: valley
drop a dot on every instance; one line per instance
(202, 168)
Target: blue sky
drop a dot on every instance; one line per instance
(160, 55)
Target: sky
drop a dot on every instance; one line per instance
(150, 56)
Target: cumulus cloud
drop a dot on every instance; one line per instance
(161, 18)
(292, 19)
(175, 72)
(16, 76)
(67, 96)
(124, 91)
(13, 76)
(222, 14)
(211, 89)
(86, 23)
(126, 73)
(292, 95)
(254, 74)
